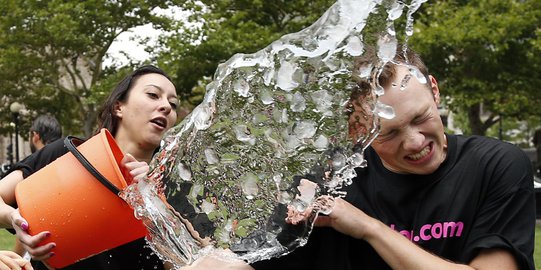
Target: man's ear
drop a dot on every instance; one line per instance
(435, 89)
(35, 137)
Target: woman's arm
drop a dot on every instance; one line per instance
(7, 197)
(11, 218)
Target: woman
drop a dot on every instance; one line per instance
(137, 113)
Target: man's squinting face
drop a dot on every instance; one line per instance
(413, 142)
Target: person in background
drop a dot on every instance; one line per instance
(138, 112)
(44, 130)
(427, 199)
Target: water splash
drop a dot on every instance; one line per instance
(269, 142)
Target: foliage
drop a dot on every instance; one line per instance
(218, 29)
(486, 55)
(52, 52)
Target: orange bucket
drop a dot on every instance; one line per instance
(82, 214)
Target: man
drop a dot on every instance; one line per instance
(44, 130)
(426, 200)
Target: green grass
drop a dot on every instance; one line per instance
(7, 241)
(537, 250)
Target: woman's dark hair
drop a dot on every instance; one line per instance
(106, 115)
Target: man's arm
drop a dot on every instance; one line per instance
(397, 250)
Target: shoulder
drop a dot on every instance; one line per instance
(501, 162)
(488, 147)
(46, 155)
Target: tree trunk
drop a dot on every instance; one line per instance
(474, 117)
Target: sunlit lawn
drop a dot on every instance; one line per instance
(7, 240)
(537, 251)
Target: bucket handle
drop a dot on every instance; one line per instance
(68, 142)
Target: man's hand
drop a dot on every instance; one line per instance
(346, 219)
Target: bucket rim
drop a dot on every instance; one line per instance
(110, 142)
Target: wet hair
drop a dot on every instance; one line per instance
(106, 115)
(47, 127)
(389, 71)
(409, 57)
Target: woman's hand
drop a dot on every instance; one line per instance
(11, 260)
(132, 169)
(31, 243)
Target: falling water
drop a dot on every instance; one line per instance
(273, 135)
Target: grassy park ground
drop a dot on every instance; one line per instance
(7, 240)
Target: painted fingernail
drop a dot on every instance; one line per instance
(24, 226)
(51, 254)
(47, 234)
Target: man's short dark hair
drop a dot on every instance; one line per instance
(47, 127)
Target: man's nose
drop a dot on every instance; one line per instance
(414, 140)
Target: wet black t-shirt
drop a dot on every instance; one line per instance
(135, 255)
(481, 197)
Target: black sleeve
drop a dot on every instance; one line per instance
(41, 158)
(23, 165)
(507, 215)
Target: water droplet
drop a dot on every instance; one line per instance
(202, 115)
(298, 102)
(284, 79)
(395, 10)
(321, 143)
(365, 71)
(379, 90)
(304, 129)
(207, 207)
(417, 74)
(322, 100)
(243, 134)
(184, 172)
(384, 111)
(242, 87)
(266, 97)
(211, 156)
(355, 46)
(387, 45)
(249, 185)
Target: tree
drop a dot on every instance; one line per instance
(217, 29)
(486, 55)
(52, 52)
